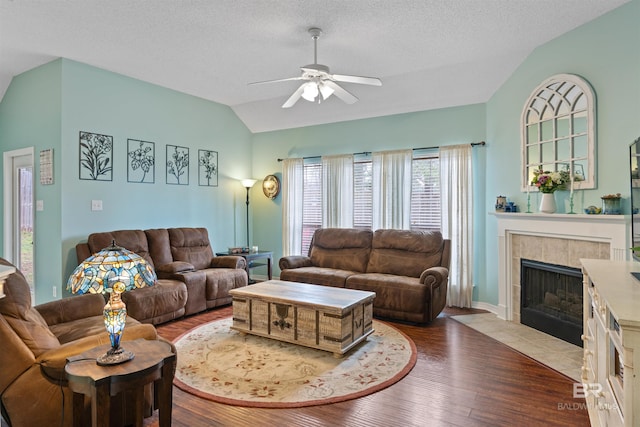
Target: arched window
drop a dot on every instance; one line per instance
(558, 130)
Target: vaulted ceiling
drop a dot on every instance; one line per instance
(429, 53)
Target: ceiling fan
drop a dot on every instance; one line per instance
(319, 83)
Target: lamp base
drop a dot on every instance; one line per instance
(116, 357)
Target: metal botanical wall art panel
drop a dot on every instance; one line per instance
(177, 165)
(96, 156)
(141, 161)
(208, 168)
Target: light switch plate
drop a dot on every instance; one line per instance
(39, 205)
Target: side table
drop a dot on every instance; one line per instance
(153, 362)
(251, 258)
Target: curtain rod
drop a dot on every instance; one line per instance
(473, 144)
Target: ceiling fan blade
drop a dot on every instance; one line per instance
(373, 81)
(278, 80)
(294, 98)
(340, 92)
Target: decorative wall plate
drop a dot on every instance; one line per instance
(271, 186)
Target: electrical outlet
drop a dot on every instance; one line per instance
(55, 291)
(96, 205)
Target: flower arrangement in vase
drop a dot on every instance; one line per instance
(547, 183)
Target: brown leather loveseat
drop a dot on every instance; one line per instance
(408, 270)
(191, 278)
(35, 343)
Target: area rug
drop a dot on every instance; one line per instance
(222, 365)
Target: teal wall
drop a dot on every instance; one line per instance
(605, 53)
(30, 117)
(94, 100)
(48, 106)
(448, 126)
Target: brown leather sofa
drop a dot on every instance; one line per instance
(408, 270)
(36, 341)
(190, 278)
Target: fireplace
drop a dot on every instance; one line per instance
(552, 238)
(551, 299)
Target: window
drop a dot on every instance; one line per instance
(362, 193)
(425, 195)
(558, 130)
(312, 203)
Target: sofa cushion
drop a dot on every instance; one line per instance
(133, 240)
(85, 327)
(341, 248)
(317, 275)
(175, 267)
(25, 320)
(72, 308)
(165, 300)
(405, 252)
(220, 281)
(15, 356)
(159, 246)
(33, 333)
(191, 245)
(395, 293)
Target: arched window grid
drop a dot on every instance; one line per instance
(558, 130)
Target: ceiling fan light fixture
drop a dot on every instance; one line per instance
(310, 91)
(325, 90)
(320, 81)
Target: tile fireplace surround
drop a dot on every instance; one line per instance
(553, 238)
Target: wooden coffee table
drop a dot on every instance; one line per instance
(322, 317)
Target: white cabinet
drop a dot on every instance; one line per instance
(611, 342)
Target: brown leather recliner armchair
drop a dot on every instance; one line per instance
(36, 341)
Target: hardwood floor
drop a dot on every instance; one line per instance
(461, 378)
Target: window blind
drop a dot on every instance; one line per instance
(312, 203)
(362, 194)
(425, 194)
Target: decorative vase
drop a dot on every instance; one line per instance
(611, 205)
(547, 203)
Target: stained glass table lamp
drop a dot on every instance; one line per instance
(113, 270)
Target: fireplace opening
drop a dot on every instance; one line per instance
(551, 299)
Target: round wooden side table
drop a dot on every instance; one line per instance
(154, 362)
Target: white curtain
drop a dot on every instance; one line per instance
(392, 189)
(337, 191)
(292, 202)
(457, 220)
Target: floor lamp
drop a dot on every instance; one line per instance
(248, 183)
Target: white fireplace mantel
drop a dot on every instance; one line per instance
(610, 229)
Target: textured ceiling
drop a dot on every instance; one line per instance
(428, 53)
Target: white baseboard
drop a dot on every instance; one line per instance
(486, 306)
